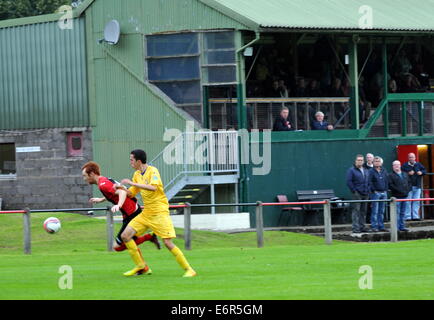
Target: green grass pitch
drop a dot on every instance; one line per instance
(290, 266)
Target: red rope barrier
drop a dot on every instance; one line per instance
(291, 203)
(412, 200)
(12, 211)
(175, 206)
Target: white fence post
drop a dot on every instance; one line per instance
(187, 226)
(109, 227)
(393, 221)
(259, 224)
(27, 232)
(327, 222)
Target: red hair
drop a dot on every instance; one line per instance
(90, 167)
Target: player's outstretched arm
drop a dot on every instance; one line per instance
(122, 197)
(138, 185)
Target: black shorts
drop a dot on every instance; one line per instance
(125, 222)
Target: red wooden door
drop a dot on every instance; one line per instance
(403, 151)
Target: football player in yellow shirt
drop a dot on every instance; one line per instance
(155, 215)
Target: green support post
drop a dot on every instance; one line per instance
(354, 80)
(421, 117)
(386, 120)
(241, 107)
(404, 119)
(206, 107)
(386, 90)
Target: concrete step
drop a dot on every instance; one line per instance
(417, 230)
(414, 233)
(347, 227)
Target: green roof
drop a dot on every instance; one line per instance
(387, 15)
(390, 15)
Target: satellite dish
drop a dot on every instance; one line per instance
(112, 32)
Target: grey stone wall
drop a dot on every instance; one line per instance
(48, 179)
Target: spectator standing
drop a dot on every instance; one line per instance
(368, 165)
(284, 90)
(262, 72)
(313, 89)
(282, 122)
(415, 171)
(410, 84)
(336, 88)
(400, 186)
(301, 90)
(346, 87)
(274, 91)
(422, 76)
(379, 184)
(358, 183)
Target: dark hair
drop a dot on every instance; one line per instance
(90, 167)
(139, 155)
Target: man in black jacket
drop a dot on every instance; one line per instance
(400, 186)
(415, 172)
(358, 182)
(282, 121)
(378, 185)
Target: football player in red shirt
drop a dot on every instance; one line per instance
(127, 206)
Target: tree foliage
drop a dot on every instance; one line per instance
(10, 9)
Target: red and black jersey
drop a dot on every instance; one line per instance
(105, 185)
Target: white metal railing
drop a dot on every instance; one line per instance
(198, 154)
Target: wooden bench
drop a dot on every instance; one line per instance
(319, 195)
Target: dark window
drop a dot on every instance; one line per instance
(219, 40)
(219, 57)
(75, 144)
(221, 74)
(172, 44)
(181, 92)
(7, 159)
(174, 67)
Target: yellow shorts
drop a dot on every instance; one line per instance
(159, 223)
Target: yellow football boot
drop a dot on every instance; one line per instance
(138, 272)
(189, 273)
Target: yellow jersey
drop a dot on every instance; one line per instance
(153, 201)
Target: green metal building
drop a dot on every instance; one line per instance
(186, 64)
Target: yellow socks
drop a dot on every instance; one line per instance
(180, 258)
(135, 254)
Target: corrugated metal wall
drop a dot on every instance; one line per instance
(125, 112)
(150, 16)
(43, 82)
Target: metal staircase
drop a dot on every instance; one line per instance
(198, 160)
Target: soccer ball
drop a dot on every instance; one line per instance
(52, 225)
